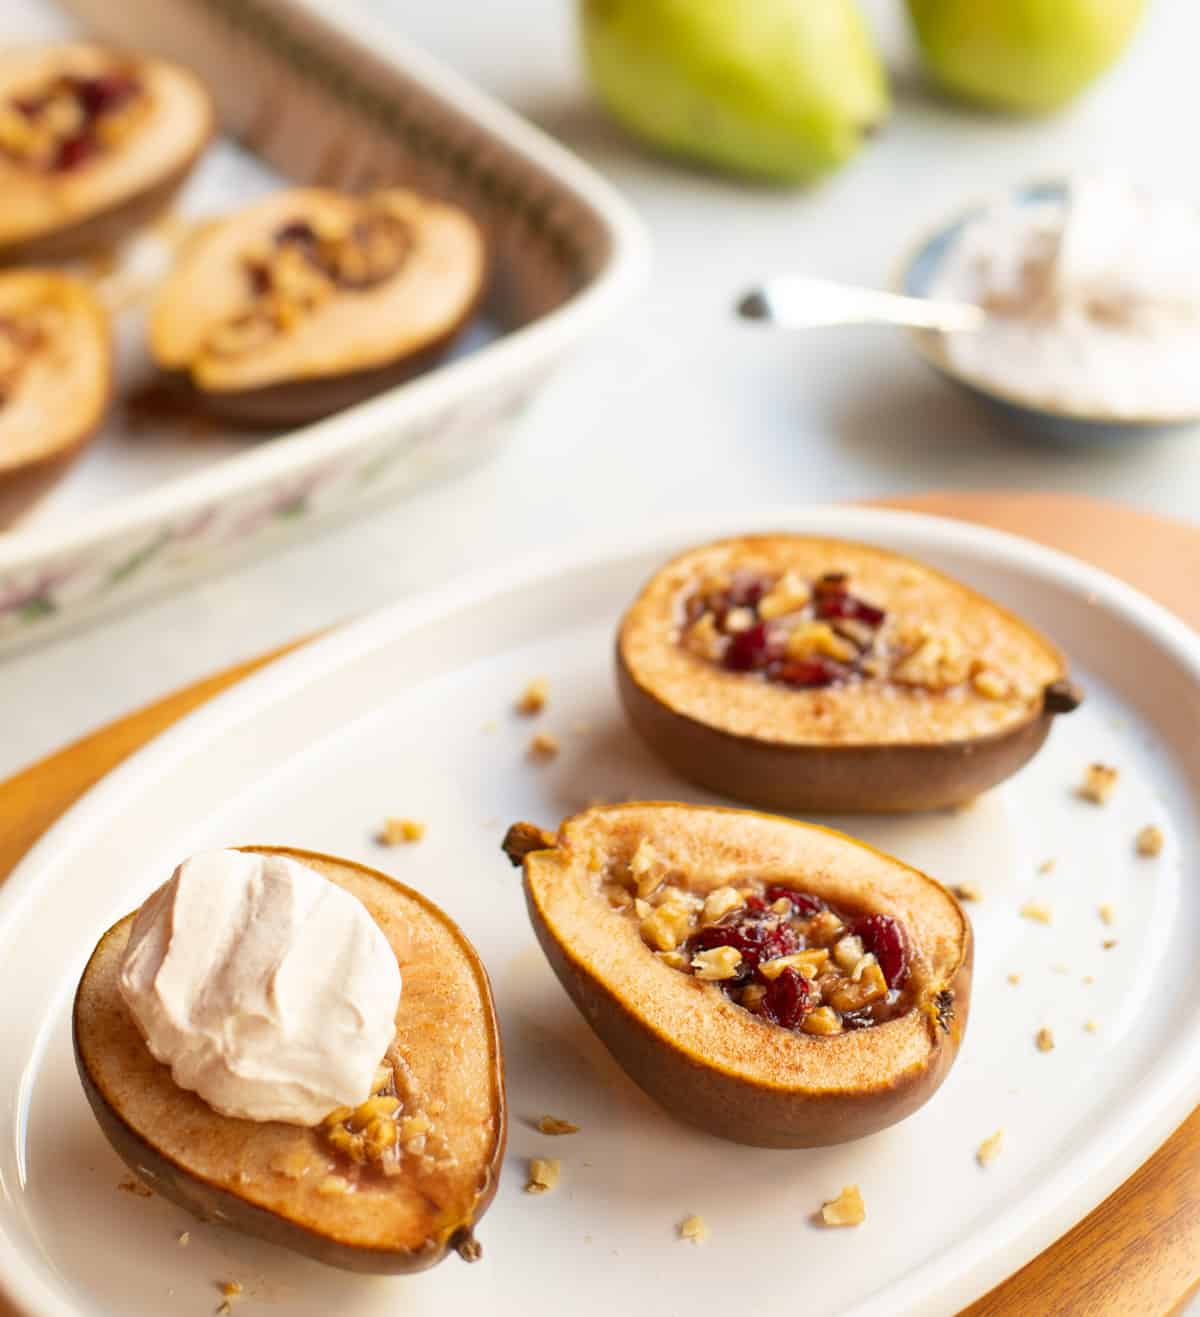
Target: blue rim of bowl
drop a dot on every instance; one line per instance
(916, 273)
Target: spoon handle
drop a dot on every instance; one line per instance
(797, 302)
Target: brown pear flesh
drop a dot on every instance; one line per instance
(865, 746)
(702, 1056)
(51, 216)
(353, 344)
(448, 1061)
(56, 371)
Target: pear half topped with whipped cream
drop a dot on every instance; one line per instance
(311, 300)
(303, 1049)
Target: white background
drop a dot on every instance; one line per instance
(675, 408)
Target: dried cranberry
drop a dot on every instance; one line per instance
(756, 905)
(746, 591)
(749, 650)
(103, 94)
(809, 672)
(780, 941)
(804, 905)
(755, 939)
(298, 231)
(839, 602)
(788, 999)
(73, 152)
(886, 938)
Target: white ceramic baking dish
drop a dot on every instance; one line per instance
(325, 94)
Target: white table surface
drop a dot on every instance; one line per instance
(675, 408)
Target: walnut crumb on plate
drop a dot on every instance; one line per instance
(1107, 914)
(552, 1125)
(397, 831)
(1149, 841)
(694, 1228)
(1038, 911)
(185, 1239)
(1014, 978)
(1109, 943)
(1047, 866)
(847, 1209)
(1091, 1026)
(543, 746)
(1098, 783)
(1045, 1040)
(534, 697)
(967, 892)
(543, 1175)
(989, 1149)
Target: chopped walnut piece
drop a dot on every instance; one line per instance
(1106, 912)
(938, 660)
(809, 963)
(1045, 1040)
(1149, 841)
(1014, 978)
(543, 1175)
(1047, 866)
(395, 831)
(694, 1228)
(788, 595)
(676, 959)
(553, 1125)
(139, 1190)
(544, 745)
(1109, 943)
(647, 868)
(813, 639)
(185, 1238)
(534, 697)
(847, 1209)
(991, 685)
(1098, 783)
(1038, 911)
(967, 892)
(717, 963)
(847, 952)
(704, 640)
(231, 1289)
(866, 986)
(989, 1149)
(667, 926)
(719, 902)
(822, 1021)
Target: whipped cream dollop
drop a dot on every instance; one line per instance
(268, 990)
(1094, 301)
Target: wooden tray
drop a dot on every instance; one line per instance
(1139, 1251)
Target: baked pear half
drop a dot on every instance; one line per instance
(93, 142)
(311, 300)
(56, 371)
(798, 673)
(296, 1186)
(773, 982)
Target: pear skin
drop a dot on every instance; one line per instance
(784, 90)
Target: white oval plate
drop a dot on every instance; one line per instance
(410, 712)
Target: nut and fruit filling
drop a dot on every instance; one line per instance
(303, 266)
(778, 951)
(385, 1135)
(810, 634)
(71, 119)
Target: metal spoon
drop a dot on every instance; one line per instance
(793, 301)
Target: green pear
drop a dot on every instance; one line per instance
(1025, 55)
(782, 89)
